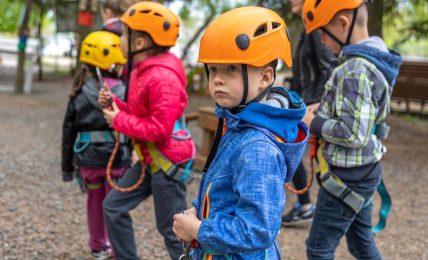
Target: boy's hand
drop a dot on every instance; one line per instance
(110, 114)
(186, 227)
(192, 211)
(309, 116)
(313, 108)
(105, 97)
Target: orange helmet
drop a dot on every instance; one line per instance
(246, 35)
(318, 13)
(155, 19)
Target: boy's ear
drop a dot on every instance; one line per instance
(267, 77)
(344, 23)
(139, 43)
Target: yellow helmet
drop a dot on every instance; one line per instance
(101, 49)
(246, 35)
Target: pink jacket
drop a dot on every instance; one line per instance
(156, 99)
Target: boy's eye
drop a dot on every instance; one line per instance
(212, 69)
(232, 68)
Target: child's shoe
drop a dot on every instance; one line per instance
(102, 254)
(298, 215)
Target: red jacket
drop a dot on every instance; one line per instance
(156, 99)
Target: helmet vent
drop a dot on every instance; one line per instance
(310, 16)
(317, 3)
(275, 25)
(146, 11)
(261, 30)
(158, 14)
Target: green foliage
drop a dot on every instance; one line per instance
(10, 12)
(406, 27)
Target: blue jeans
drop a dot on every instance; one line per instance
(333, 219)
(169, 199)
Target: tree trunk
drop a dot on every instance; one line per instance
(375, 17)
(41, 44)
(23, 34)
(196, 35)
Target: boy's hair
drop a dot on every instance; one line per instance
(118, 7)
(84, 73)
(141, 34)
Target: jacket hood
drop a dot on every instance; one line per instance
(166, 60)
(91, 88)
(374, 49)
(280, 116)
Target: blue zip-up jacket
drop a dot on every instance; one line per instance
(245, 182)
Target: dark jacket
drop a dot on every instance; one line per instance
(311, 67)
(83, 115)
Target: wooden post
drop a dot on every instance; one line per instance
(208, 122)
(23, 34)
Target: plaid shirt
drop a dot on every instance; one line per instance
(356, 97)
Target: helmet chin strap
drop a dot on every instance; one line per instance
(348, 38)
(131, 55)
(244, 102)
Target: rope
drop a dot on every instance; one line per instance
(109, 167)
(113, 157)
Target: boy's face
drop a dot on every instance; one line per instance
(226, 84)
(137, 43)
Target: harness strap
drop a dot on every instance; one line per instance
(100, 137)
(159, 162)
(384, 208)
(333, 185)
(94, 186)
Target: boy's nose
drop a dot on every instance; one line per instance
(218, 80)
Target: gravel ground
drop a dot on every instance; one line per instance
(43, 218)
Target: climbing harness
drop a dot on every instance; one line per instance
(186, 248)
(180, 173)
(86, 138)
(333, 185)
(116, 145)
(186, 252)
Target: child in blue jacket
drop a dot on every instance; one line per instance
(259, 142)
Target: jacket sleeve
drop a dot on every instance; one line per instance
(323, 60)
(164, 105)
(69, 134)
(122, 105)
(355, 113)
(257, 216)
